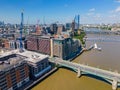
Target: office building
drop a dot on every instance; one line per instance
(14, 71)
(39, 43)
(38, 63)
(65, 48)
(60, 29)
(53, 28)
(68, 26)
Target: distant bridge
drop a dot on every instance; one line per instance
(99, 31)
(112, 77)
(102, 39)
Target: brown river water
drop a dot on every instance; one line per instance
(108, 58)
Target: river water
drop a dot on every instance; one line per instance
(108, 58)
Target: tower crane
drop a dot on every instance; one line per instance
(21, 29)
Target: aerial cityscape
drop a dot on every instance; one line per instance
(59, 45)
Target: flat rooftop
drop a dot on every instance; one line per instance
(14, 57)
(5, 53)
(10, 61)
(33, 57)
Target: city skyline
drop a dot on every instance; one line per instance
(50, 11)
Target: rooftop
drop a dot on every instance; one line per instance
(12, 58)
(6, 53)
(60, 37)
(33, 57)
(40, 36)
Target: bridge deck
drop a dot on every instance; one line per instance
(90, 70)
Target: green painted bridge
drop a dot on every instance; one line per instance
(111, 77)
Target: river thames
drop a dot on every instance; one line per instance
(108, 58)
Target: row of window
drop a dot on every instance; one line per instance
(12, 73)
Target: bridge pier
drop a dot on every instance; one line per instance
(114, 84)
(79, 73)
(79, 68)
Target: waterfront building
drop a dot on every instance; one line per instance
(65, 48)
(58, 47)
(38, 63)
(76, 46)
(14, 71)
(62, 46)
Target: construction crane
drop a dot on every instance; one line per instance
(78, 21)
(21, 29)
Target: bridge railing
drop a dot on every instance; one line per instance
(89, 69)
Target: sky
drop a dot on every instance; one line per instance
(50, 11)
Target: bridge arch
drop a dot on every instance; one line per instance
(87, 74)
(97, 77)
(100, 74)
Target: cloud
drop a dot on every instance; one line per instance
(111, 12)
(92, 10)
(117, 1)
(117, 9)
(112, 16)
(91, 13)
(98, 15)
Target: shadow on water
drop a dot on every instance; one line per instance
(97, 77)
(67, 68)
(89, 75)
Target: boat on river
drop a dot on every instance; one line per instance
(96, 47)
